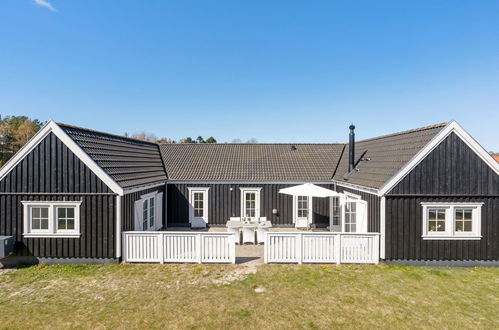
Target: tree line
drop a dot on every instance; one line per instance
(15, 131)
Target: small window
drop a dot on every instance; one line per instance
(39, 218)
(436, 220)
(198, 204)
(250, 203)
(51, 219)
(451, 220)
(65, 218)
(302, 206)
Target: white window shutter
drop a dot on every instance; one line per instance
(361, 216)
(159, 211)
(138, 214)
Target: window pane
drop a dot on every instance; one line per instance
(467, 226)
(35, 224)
(467, 214)
(35, 212)
(432, 214)
(44, 223)
(70, 213)
(61, 224)
(45, 212)
(459, 226)
(61, 212)
(441, 214)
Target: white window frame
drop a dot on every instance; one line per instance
(257, 192)
(196, 221)
(148, 198)
(52, 230)
(450, 233)
(158, 211)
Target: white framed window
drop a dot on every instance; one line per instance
(451, 220)
(250, 203)
(51, 219)
(148, 212)
(350, 217)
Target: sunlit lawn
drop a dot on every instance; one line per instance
(306, 296)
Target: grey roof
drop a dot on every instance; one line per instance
(128, 161)
(251, 162)
(387, 154)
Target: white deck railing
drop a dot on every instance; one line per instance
(174, 246)
(318, 247)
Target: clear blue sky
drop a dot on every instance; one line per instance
(279, 71)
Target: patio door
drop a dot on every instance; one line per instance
(355, 216)
(302, 211)
(348, 213)
(198, 207)
(335, 214)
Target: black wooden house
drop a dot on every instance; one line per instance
(432, 193)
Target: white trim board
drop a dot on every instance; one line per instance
(453, 127)
(49, 127)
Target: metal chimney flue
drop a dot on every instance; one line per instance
(351, 149)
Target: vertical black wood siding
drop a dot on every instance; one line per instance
(51, 168)
(451, 173)
(224, 203)
(127, 206)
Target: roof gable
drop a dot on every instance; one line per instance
(52, 127)
(385, 156)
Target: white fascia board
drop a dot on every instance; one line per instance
(437, 139)
(49, 127)
(372, 191)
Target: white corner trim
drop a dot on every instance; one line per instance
(118, 225)
(434, 142)
(49, 127)
(382, 227)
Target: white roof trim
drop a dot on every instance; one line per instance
(434, 142)
(49, 127)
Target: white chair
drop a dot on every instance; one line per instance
(260, 235)
(237, 233)
(249, 235)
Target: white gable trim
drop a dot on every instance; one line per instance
(49, 127)
(437, 139)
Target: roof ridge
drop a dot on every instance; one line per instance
(106, 133)
(424, 128)
(258, 143)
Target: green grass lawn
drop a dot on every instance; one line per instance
(218, 296)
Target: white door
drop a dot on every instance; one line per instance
(250, 204)
(355, 216)
(302, 209)
(198, 208)
(335, 214)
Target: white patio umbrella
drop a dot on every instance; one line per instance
(309, 189)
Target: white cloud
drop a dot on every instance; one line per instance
(45, 4)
